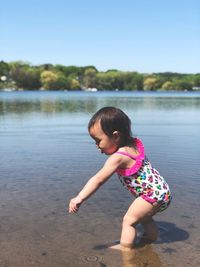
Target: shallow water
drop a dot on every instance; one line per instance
(47, 155)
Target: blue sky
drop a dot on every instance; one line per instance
(144, 35)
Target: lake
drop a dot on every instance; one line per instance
(47, 156)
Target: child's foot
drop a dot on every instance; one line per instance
(106, 246)
(117, 247)
(120, 247)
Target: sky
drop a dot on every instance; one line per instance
(130, 35)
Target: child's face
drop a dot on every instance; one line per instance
(107, 145)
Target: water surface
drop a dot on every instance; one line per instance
(47, 155)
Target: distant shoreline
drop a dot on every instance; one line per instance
(24, 76)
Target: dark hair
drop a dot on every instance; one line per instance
(113, 119)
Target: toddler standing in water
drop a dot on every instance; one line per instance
(110, 127)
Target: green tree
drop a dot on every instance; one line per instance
(132, 81)
(74, 84)
(89, 79)
(196, 80)
(53, 80)
(167, 85)
(106, 80)
(4, 69)
(181, 85)
(150, 83)
(24, 75)
(30, 79)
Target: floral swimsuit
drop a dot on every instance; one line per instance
(145, 181)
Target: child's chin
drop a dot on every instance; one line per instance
(107, 153)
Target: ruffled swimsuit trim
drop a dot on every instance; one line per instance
(138, 158)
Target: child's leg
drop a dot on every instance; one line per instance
(150, 228)
(136, 212)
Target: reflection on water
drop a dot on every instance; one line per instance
(50, 102)
(47, 155)
(141, 257)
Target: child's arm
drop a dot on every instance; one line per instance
(110, 166)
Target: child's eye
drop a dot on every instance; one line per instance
(97, 141)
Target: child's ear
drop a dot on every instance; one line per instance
(116, 135)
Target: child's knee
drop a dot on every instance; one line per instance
(130, 220)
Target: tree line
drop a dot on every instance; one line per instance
(21, 75)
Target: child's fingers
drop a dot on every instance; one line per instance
(73, 208)
(74, 205)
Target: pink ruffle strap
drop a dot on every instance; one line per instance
(139, 159)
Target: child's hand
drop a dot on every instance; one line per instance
(75, 204)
